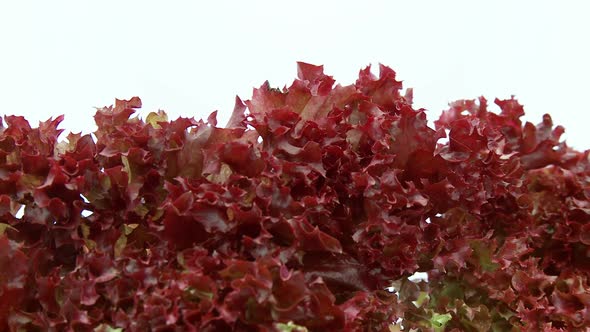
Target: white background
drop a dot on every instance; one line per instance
(191, 58)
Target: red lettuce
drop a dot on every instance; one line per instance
(299, 215)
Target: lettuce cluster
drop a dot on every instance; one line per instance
(308, 211)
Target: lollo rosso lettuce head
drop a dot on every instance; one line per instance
(310, 210)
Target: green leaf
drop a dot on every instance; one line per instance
(127, 167)
(153, 118)
(484, 254)
(4, 227)
(120, 245)
(438, 321)
(224, 173)
(180, 260)
(453, 290)
(291, 327)
(107, 328)
(129, 228)
(195, 295)
(422, 298)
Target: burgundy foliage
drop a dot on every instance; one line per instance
(296, 216)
